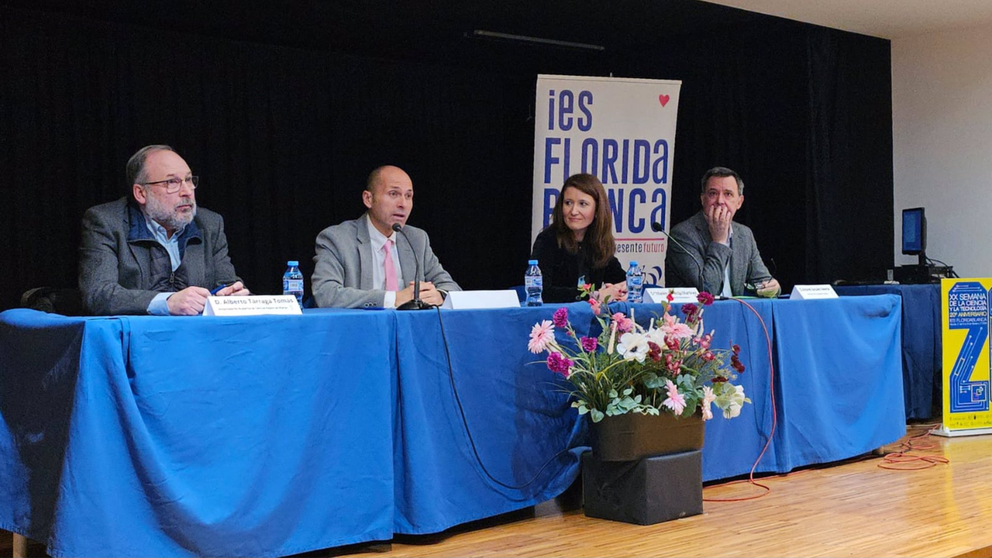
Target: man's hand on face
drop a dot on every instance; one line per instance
(719, 218)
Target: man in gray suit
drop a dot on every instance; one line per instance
(154, 252)
(712, 253)
(363, 263)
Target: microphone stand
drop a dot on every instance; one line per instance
(416, 303)
(656, 227)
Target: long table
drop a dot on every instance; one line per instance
(275, 435)
(921, 342)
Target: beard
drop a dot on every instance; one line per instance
(175, 217)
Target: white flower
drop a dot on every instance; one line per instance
(633, 346)
(708, 397)
(731, 401)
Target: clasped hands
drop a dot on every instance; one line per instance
(617, 292)
(192, 300)
(428, 294)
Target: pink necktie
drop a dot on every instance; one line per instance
(388, 267)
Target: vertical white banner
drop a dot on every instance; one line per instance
(622, 131)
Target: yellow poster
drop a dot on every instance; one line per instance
(965, 331)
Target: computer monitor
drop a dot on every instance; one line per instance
(914, 233)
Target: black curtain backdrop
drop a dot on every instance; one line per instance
(283, 130)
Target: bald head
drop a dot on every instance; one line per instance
(384, 175)
(388, 196)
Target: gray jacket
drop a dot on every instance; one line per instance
(115, 259)
(694, 260)
(342, 274)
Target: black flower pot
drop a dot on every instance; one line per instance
(633, 436)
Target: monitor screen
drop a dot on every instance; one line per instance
(914, 231)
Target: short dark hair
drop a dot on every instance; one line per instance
(136, 164)
(721, 172)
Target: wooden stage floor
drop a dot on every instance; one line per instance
(855, 508)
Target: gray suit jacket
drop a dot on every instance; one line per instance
(115, 259)
(694, 260)
(342, 274)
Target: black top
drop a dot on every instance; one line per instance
(561, 270)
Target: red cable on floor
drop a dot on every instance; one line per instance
(902, 460)
(771, 389)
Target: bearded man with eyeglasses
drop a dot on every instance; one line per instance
(155, 251)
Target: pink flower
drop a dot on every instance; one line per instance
(589, 344)
(540, 335)
(561, 317)
(558, 363)
(704, 341)
(670, 297)
(708, 356)
(708, 397)
(595, 305)
(675, 401)
(624, 324)
(674, 328)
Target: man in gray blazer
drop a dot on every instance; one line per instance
(154, 252)
(712, 253)
(364, 262)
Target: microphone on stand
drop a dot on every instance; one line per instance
(656, 227)
(416, 303)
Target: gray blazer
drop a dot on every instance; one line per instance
(342, 274)
(694, 260)
(115, 259)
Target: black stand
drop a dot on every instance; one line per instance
(415, 304)
(646, 491)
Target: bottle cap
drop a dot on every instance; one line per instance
(292, 263)
(531, 262)
(633, 263)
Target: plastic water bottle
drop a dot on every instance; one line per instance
(635, 283)
(292, 281)
(534, 284)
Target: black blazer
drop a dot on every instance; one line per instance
(560, 269)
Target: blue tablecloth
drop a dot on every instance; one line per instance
(274, 435)
(143, 436)
(921, 342)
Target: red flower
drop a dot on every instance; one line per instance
(690, 311)
(705, 298)
(654, 351)
(736, 364)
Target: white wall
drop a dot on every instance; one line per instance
(942, 144)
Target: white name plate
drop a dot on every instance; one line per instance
(810, 292)
(481, 299)
(679, 294)
(254, 305)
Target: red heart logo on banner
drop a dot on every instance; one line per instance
(663, 99)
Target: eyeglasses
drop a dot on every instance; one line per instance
(174, 184)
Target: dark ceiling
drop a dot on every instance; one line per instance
(439, 30)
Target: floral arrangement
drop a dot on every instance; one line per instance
(670, 366)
